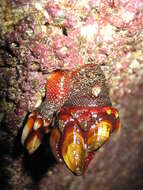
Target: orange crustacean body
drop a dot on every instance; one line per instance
(78, 112)
(82, 131)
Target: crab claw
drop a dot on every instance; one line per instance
(73, 150)
(55, 138)
(34, 141)
(28, 127)
(98, 134)
(33, 132)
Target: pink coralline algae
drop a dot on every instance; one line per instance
(66, 35)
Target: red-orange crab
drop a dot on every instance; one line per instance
(78, 109)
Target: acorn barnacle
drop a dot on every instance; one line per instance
(78, 102)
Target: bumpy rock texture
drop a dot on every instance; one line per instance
(37, 37)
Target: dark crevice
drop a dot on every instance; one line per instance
(65, 32)
(40, 162)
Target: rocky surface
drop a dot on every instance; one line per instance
(37, 37)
